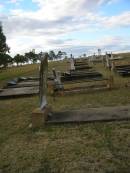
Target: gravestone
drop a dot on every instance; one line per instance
(43, 81)
(58, 85)
(72, 66)
(40, 115)
(108, 63)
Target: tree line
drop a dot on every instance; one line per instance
(28, 57)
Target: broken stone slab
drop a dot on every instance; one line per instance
(91, 115)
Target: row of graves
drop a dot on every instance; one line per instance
(21, 87)
(80, 71)
(118, 65)
(80, 78)
(45, 115)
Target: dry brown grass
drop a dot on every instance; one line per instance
(76, 148)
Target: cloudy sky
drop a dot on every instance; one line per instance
(74, 26)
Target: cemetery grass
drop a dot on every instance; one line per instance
(76, 148)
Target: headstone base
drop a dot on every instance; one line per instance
(39, 117)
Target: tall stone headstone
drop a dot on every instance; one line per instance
(72, 66)
(40, 115)
(43, 80)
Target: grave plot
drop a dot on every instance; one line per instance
(21, 87)
(18, 92)
(23, 82)
(79, 70)
(122, 68)
(118, 65)
(82, 86)
(80, 80)
(91, 115)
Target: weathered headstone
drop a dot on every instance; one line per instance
(108, 63)
(57, 80)
(72, 66)
(43, 81)
(113, 65)
(39, 115)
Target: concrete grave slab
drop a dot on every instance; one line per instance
(16, 92)
(91, 115)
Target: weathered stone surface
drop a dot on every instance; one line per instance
(39, 117)
(16, 92)
(91, 115)
(43, 80)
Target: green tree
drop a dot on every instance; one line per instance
(4, 58)
(31, 56)
(19, 59)
(60, 54)
(3, 46)
(52, 55)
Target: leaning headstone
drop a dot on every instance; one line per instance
(39, 115)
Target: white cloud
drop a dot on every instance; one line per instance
(121, 20)
(44, 28)
(1, 7)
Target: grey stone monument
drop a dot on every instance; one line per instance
(43, 80)
(40, 115)
(108, 63)
(72, 66)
